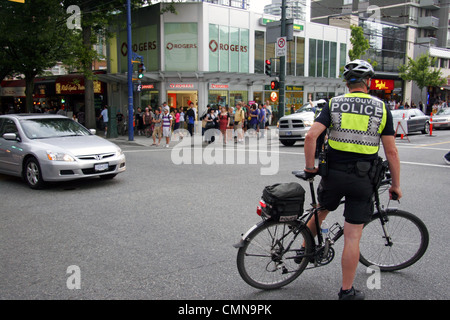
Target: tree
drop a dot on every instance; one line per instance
(360, 45)
(33, 37)
(422, 71)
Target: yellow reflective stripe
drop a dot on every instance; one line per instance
(353, 121)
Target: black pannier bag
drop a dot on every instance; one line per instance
(283, 201)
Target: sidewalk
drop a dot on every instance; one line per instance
(147, 142)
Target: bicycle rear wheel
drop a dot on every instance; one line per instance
(404, 243)
(271, 256)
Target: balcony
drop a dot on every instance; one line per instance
(429, 41)
(429, 4)
(428, 23)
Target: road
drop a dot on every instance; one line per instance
(163, 230)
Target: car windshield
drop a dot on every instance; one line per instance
(52, 128)
(305, 108)
(445, 111)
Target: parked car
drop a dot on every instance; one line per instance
(416, 120)
(294, 127)
(441, 119)
(43, 148)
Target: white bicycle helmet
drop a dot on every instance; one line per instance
(358, 70)
(321, 103)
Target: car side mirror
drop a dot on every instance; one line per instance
(11, 137)
(93, 131)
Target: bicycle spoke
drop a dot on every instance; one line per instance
(267, 260)
(407, 242)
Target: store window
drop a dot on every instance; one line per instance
(149, 98)
(228, 49)
(181, 46)
(300, 57)
(259, 51)
(238, 96)
(218, 97)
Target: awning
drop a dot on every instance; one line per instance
(219, 77)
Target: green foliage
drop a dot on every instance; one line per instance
(422, 71)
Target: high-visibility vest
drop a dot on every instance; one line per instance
(357, 121)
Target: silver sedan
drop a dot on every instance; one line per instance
(44, 148)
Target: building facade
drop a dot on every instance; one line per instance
(215, 55)
(396, 29)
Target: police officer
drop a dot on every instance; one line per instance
(321, 139)
(357, 122)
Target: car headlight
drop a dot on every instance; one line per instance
(119, 152)
(56, 156)
(308, 123)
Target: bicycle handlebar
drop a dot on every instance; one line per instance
(304, 175)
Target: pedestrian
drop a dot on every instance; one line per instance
(353, 144)
(268, 108)
(80, 116)
(254, 117)
(182, 118)
(261, 121)
(167, 120)
(230, 129)
(103, 118)
(239, 118)
(190, 117)
(147, 122)
(139, 121)
(224, 123)
(177, 120)
(210, 123)
(157, 130)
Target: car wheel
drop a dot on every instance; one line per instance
(33, 174)
(426, 129)
(287, 143)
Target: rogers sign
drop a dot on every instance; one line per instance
(171, 46)
(214, 46)
(143, 46)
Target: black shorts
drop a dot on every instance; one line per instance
(358, 193)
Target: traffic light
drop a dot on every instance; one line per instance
(141, 70)
(269, 68)
(274, 85)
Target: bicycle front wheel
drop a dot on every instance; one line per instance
(272, 257)
(398, 243)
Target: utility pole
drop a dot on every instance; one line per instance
(282, 89)
(130, 75)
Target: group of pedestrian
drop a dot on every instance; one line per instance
(233, 122)
(432, 108)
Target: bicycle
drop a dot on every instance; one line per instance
(272, 253)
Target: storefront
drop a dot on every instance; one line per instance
(179, 95)
(387, 89)
(149, 95)
(214, 55)
(226, 95)
(70, 89)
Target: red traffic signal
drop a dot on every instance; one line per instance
(268, 68)
(274, 85)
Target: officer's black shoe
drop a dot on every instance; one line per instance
(351, 294)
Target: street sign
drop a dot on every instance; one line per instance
(281, 47)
